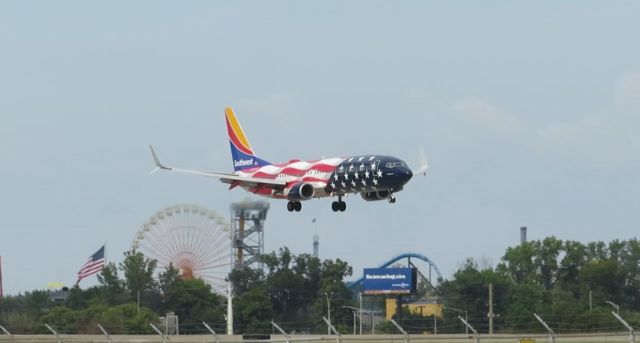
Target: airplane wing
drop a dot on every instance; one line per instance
(233, 179)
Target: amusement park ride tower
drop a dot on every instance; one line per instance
(247, 233)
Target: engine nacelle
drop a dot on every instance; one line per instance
(301, 191)
(374, 196)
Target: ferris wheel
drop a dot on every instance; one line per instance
(194, 239)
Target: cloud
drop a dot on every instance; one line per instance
(465, 123)
(605, 139)
(627, 95)
(481, 115)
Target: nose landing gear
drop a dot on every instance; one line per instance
(392, 199)
(294, 206)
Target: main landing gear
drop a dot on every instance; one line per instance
(294, 206)
(392, 199)
(339, 205)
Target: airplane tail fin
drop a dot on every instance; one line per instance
(241, 152)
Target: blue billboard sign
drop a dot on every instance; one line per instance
(389, 280)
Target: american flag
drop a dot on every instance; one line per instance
(94, 264)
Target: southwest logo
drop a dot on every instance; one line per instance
(243, 163)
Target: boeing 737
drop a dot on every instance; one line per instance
(374, 177)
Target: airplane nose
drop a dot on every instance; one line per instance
(408, 174)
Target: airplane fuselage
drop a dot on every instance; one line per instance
(333, 176)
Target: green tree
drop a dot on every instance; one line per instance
(546, 261)
(629, 259)
(518, 263)
(574, 260)
(126, 319)
(168, 279)
(112, 289)
(193, 301)
(245, 279)
(603, 277)
(138, 276)
(293, 291)
(62, 319)
(36, 303)
(253, 310)
(468, 289)
(285, 286)
(333, 287)
(90, 317)
(15, 315)
(76, 299)
(524, 299)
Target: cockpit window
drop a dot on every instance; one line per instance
(394, 164)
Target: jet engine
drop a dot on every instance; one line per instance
(374, 196)
(301, 191)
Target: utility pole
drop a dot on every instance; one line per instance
(590, 301)
(491, 309)
(360, 294)
(229, 309)
(435, 324)
(138, 303)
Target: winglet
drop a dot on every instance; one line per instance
(424, 164)
(156, 161)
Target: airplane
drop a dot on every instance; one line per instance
(374, 177)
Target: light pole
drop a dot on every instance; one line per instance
(466, 316)
(328, 312)
(615, 306)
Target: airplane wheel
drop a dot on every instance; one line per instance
(343, 206)
(392, 200)
(290, 206)
(297, 206)
(335, 206)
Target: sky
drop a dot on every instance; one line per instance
(528, 111)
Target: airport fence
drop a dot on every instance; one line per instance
(523, 338)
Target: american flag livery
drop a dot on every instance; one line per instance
(374, 177)
(316, 173)
(94, 264)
